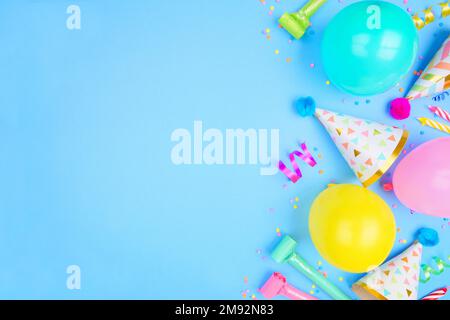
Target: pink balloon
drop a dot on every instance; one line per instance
(422, 179)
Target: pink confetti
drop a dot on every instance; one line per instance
(388, 186)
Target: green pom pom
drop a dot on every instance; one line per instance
(305, 106)
(428, 237)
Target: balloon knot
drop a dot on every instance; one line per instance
(305, 106)
(400, 108)
(428, 237)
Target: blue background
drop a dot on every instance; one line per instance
(85, 123)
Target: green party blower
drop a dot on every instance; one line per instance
(296, 23)
(284, 252)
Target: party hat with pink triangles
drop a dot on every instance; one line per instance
(369, 147)
(434, 80)
(397, 279)
(436, 77)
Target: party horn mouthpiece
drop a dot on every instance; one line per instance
(277, 285)
(296, 23)
(284, 250)
(273, 286)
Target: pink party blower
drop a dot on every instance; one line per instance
(277, 286)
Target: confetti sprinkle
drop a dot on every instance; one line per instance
(341, 279)
(288, 60)
(327, 82)
(331, 185)
(277, 51)
(245, 279)
(388, 186)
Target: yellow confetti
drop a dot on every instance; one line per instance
(267, 30)
(296, 199)
(288, 60)
(295, 206)
(321, 171)
(277, 51)
(327, 82)
(341, 279)
(311, 292)
(277, 229)
(313, 286)
(253, 296)
(319, 263)
(272, 8)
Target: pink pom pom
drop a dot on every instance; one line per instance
(400, 108)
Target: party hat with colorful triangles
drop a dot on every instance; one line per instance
(369, 147)
(436, 77)
(397, 279)
(434, 80)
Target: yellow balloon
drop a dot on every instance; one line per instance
(352, 227)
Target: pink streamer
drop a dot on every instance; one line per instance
(305, 156)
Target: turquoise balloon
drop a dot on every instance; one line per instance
(368, 47)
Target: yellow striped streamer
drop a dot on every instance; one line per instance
(429, 14)
(445, 9)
